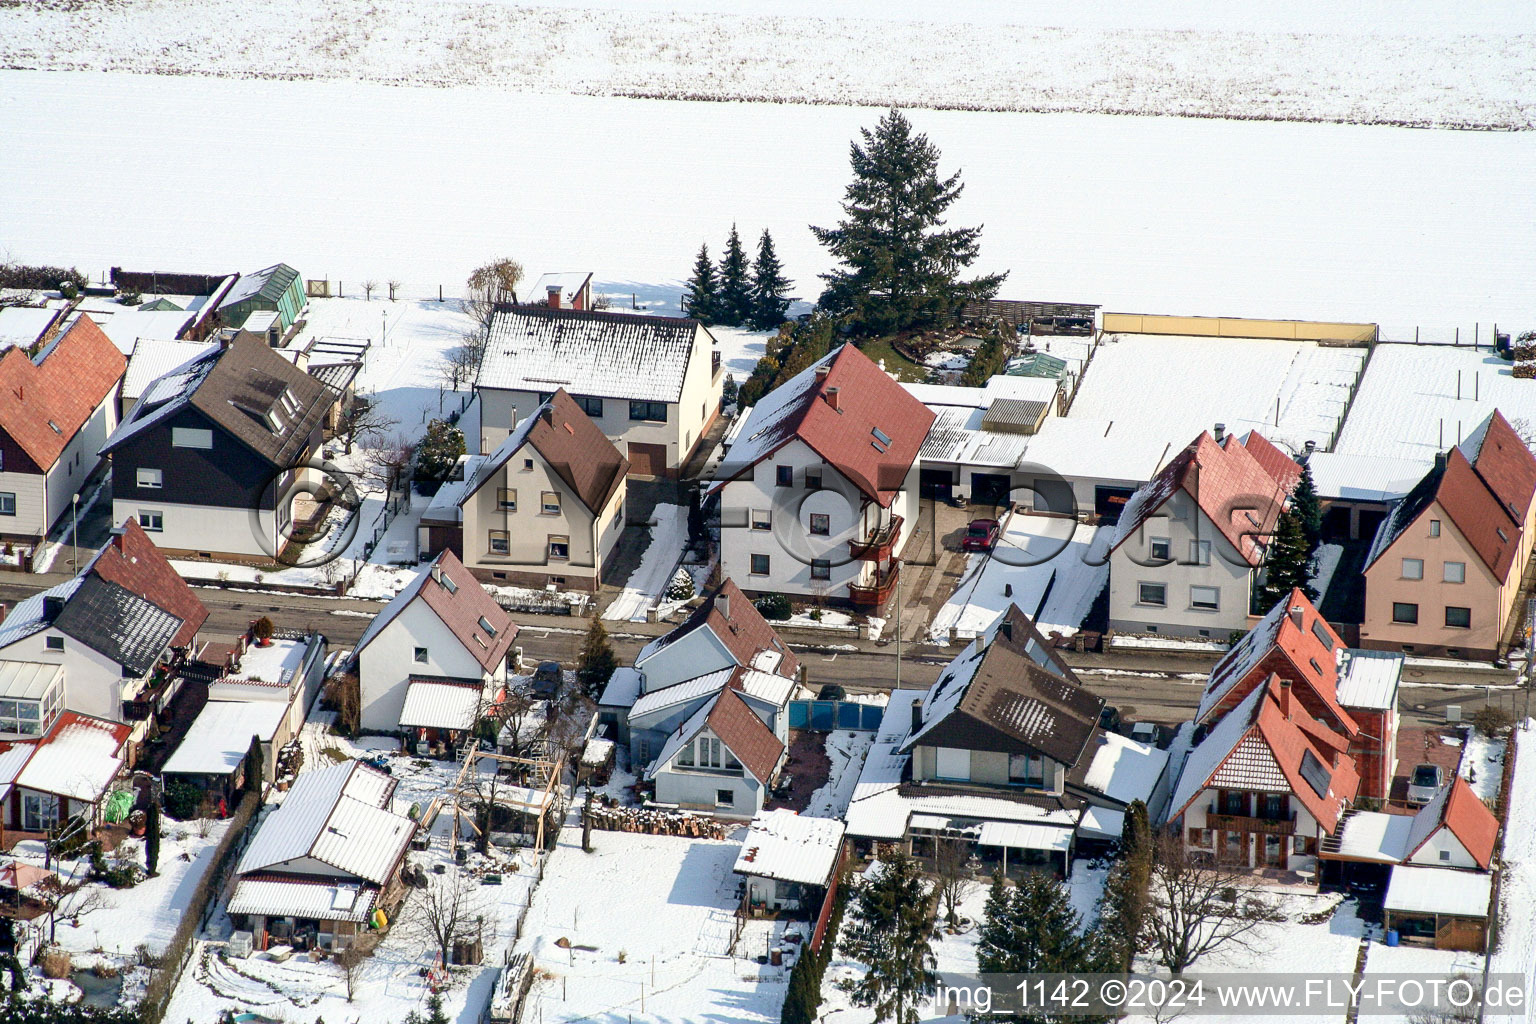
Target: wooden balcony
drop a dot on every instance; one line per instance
(879, 590)
(880, 545)
(1242, 823)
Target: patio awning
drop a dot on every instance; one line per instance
(440, 705)
(1018, 836)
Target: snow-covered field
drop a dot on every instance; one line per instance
(1516, 952)
(1162, 214)
(1407, 67)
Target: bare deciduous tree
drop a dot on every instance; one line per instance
(461, 364)
(1197, 906)
(393, 286)
(952, 877)
(68, 900)
(343, 695)
(495, 282)
(388, 459)
(451, 907)
(369, 287)
(352, 958)
(364, 421)
(515, 710)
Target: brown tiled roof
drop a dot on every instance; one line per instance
(462, 609)
(80, 371)
(248, 381)
(1504, 462)
(1470, 820)
(740, 627)
(1275, 462)
(1478, 514)
(131, 560)
(747, 736)
(577, 450)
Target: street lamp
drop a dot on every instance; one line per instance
(74, 533)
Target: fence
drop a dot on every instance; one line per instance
(830, 715)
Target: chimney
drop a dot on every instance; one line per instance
(1285, 697)
(1221, 432)
(823, 372)
(554, 296)
(52, 605)
(1440, 460)
(723, 604)
(917, 714)
(1296, 615)
(832, 397)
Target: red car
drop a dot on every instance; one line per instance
(981, 535)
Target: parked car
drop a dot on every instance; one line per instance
(1109, 718)
(1145, 732)
(546, 680)
(1424, 783)
(981, 535)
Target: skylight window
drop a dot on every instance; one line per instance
(485, 624)
(55, 428)
(449, 585)
(883, 437)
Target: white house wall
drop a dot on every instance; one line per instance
(1226, 571)
(1443, 841)
(205, 527)
(387, 663)
(30, 496)
(688, 657)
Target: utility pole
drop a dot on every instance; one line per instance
(74, 534)
(898, 624)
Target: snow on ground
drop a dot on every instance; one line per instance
(1060, 556)
(740, 349)
(1305, 384)
(1308, 68)
(1086, 887)
(1482, 764)
(1416, 400)
(648, 920)
(846, 750)
(1516, 952)
(669, 532)
(1184, 215)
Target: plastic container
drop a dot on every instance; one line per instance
(1392, 938)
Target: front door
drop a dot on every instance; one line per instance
(647, 459)
(1274, 851)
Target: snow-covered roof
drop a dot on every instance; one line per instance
(259, 321)
(1023, 836)
(681, 693)
(337, 815)
(434, 705)
(12, 759)
(444, 506)
(1096, 449)
(275, 663)
(1369, 679)
(1439, 891)
(1373, 836)
(957, 436)
(220, 736)
(23, 325)
(623, 688)
(606, 355)
(153, 358)
(291, 897)
(1125, 770)
(791, 847)
(1101, 823)
(127, 326)
(1349, 477)
(77, 759)
(1208, 755)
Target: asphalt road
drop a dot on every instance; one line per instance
(1157, 687)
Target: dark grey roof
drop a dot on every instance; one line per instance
(1014, 415)
(118, 624)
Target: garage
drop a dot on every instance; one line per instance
(647, 459)
(1108, 502)
(938, 484)
(990, 488)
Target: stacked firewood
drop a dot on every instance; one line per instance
(658, 823)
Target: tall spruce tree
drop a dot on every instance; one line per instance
(734, 305)
(900, 265)
(702, 301)
(1032, 928)
(1309, 507)
(1123, 907)
(890, 931)
(770, 288)
(1290, 559)
(598, 660)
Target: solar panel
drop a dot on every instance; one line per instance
(1313, 771)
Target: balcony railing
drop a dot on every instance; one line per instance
(1284, 826)
(137, 710)
(876, 592)
(714, 365)
(880, 544)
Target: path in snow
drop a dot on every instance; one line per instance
(656, 567)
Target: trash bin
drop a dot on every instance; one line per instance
(1392, 936)
(776, 956)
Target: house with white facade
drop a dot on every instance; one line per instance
(650, 383)
(546, 507)
(725, 757)
(1454, 830)
(1190, 544)
(819, 494)
(434, 660)
(58, 408)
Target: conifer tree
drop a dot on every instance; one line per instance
(598, 660)
(900, 266)
(890, 932)
(1123, 907)
(703, 292)
(770, 288)
(1290, 559)
(1309, 507)
(1032, 928)
(734, 306)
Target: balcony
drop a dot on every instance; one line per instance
(714, 366)
(880, 545)
(137, 710)
(875, 593)
(1282, 826)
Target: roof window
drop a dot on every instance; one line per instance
(485, 624)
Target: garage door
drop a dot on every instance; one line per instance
(990, 488)
(647, 459)
(937, 484)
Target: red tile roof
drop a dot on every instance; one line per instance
(745, 734)
(63, 391)
(1470, 821)
(1504, 462)
(131, 560)
(735, 621)
(1240, 486)
(462, 608)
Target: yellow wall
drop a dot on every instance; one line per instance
(1235, 327)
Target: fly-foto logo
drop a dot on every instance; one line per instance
(306, 514)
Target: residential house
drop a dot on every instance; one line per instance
(571, 290)
(212, 455)
(66, 772)
(650, 383)
(1454, 830)
(820, 492)
(277, 288)
(434, 660)
(324, 861)
(1190, 544)
(151, 359)
(546, 507)
(1003, 754)
(1266, 785)
(57, 408)
(725, 757)
(1444, 571)
(788, 861)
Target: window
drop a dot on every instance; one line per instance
(1200, 552)
(449, 585)
(506, 499)
(1235, 804)
(654, 412)
(420, 655)
(1274, 807)
(559, 548)
(1299, 844)
(1413, 568)
(685, 756)
(1434, 527)
(1206, 598)
(725, 798)
(1502, 535)
(151, 478)
(39, 811)
(549, 503)
(1234, 844)
(1458, 618)
(527, 464)
(1445, 854)
(1152, 593)
(1455, 572)
(591, 406)
(500, 542)
(1320, 631)
(1160, 548)
(821, 524)
(485, 624)
(821, 569)
(762, 519)
(1026, 770)
(784, 476)
(191, 437)
(759, 565)
(54, 643)
(152, 522)
(7, 503)
(55, 428)
(813, 479)
(1404, 612)
(27, 717)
